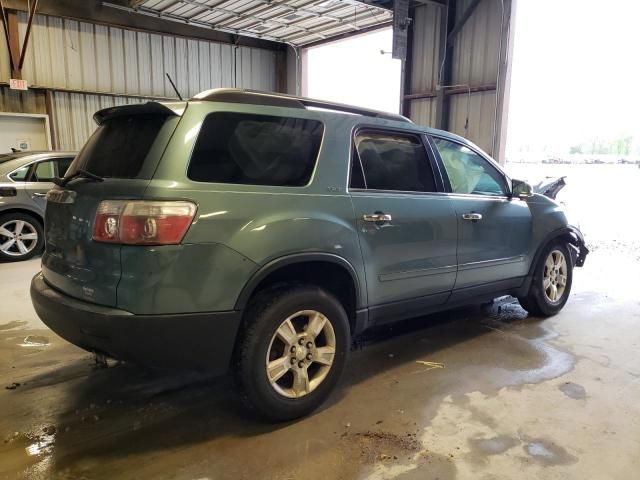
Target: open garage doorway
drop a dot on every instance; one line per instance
(357, 70)
(571, 116)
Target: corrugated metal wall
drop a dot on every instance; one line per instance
(65, 54)
(73, 55)
(474, 63)
(73, 118)
(15, 101)
(425, 62)
(5, 70)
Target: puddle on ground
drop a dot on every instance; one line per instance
(495, 445)
(548, 453)
(35, 341)
(573, 390)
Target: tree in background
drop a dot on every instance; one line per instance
(597, 146)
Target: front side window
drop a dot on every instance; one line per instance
(249, 149)
(468, 172)
(391, 161)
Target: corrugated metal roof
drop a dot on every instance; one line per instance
(297, 22)
(73, 55)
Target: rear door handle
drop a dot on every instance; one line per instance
(376, 217)
(38, 194)
(472, 216)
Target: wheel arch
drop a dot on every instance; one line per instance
(572, 236)
(326, 270)
(25, 211)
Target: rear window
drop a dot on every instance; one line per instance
(119, 146)
(252, 149)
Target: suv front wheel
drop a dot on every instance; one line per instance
(292, 351)
(551, 283)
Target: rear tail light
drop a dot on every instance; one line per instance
(142, 222)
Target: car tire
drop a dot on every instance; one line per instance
(553, 273)
(24, 246)
(271, 383)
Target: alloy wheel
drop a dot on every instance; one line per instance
(17, 238)
(555, 277)
(300, 354)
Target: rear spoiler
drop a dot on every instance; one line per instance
(167, 109)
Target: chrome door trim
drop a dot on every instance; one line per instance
(491, 263)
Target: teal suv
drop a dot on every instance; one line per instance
(258, 234)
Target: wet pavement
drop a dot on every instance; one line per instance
(475, 393)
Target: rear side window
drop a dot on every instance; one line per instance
(391, 161)
(252, 149)
(119, 146)
(20, 175)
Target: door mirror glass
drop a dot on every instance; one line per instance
(521, 189)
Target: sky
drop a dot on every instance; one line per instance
(576, 73)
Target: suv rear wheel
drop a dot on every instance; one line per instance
(551, 283)
(292, 351)
(21, 236)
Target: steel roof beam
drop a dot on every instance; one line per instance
(292, 37)
(340, 20)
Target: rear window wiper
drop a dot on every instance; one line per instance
(79, 173)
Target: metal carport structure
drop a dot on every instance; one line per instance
(455, 75)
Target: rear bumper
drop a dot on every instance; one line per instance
(202, 341)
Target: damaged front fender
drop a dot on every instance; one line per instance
(550, 187)
(577, 246)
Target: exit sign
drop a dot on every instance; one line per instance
(16, 84)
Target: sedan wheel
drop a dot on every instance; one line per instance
(19, 237)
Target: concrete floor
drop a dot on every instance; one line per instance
(472, 394)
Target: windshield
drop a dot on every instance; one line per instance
(119, 147)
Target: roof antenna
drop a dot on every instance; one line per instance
(175, 89)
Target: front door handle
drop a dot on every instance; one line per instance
(376, 217)
(38, 194)
(472, 216)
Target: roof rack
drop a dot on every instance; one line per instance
(255, 97)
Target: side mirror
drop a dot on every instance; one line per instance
(521, 189)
